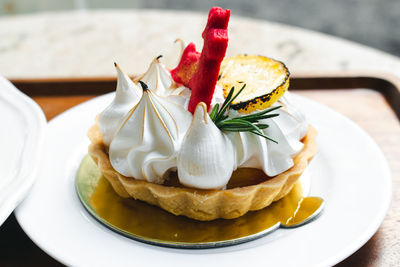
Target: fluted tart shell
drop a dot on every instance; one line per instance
(202, 204)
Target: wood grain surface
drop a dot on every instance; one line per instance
(368, 108)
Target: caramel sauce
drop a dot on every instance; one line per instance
(140, 219)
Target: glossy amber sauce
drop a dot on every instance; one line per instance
(150, 222)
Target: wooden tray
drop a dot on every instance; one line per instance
(373, 102)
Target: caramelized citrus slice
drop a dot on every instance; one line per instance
(266, 80)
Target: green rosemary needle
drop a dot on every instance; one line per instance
(246, 123)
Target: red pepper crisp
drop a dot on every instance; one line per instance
(203, 81)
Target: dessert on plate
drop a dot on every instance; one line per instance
(214, 137)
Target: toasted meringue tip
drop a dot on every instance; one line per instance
(182, 44)
(118, 68)
(143, 85)
(158, 58)
(201, 110)
(180, 41)
(201, 105)
(120, 73)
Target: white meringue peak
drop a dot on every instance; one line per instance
(126, 96)
(172, 53)
(206, 157)
(159, 80)
(147, 143)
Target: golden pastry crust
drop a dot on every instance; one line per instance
(202, 204)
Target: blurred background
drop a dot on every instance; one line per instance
(375, 23)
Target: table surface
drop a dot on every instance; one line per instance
(81, 44)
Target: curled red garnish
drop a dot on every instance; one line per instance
(200, 72)
(187, 65)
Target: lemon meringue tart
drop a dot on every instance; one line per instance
(214, 137)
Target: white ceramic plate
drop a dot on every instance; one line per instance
(349, 172)
(21, 143)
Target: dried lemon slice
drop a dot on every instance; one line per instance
(266, 80)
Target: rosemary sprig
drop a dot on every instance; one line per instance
(247, 123)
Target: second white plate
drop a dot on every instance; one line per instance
(349, 172)
(22, 132)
